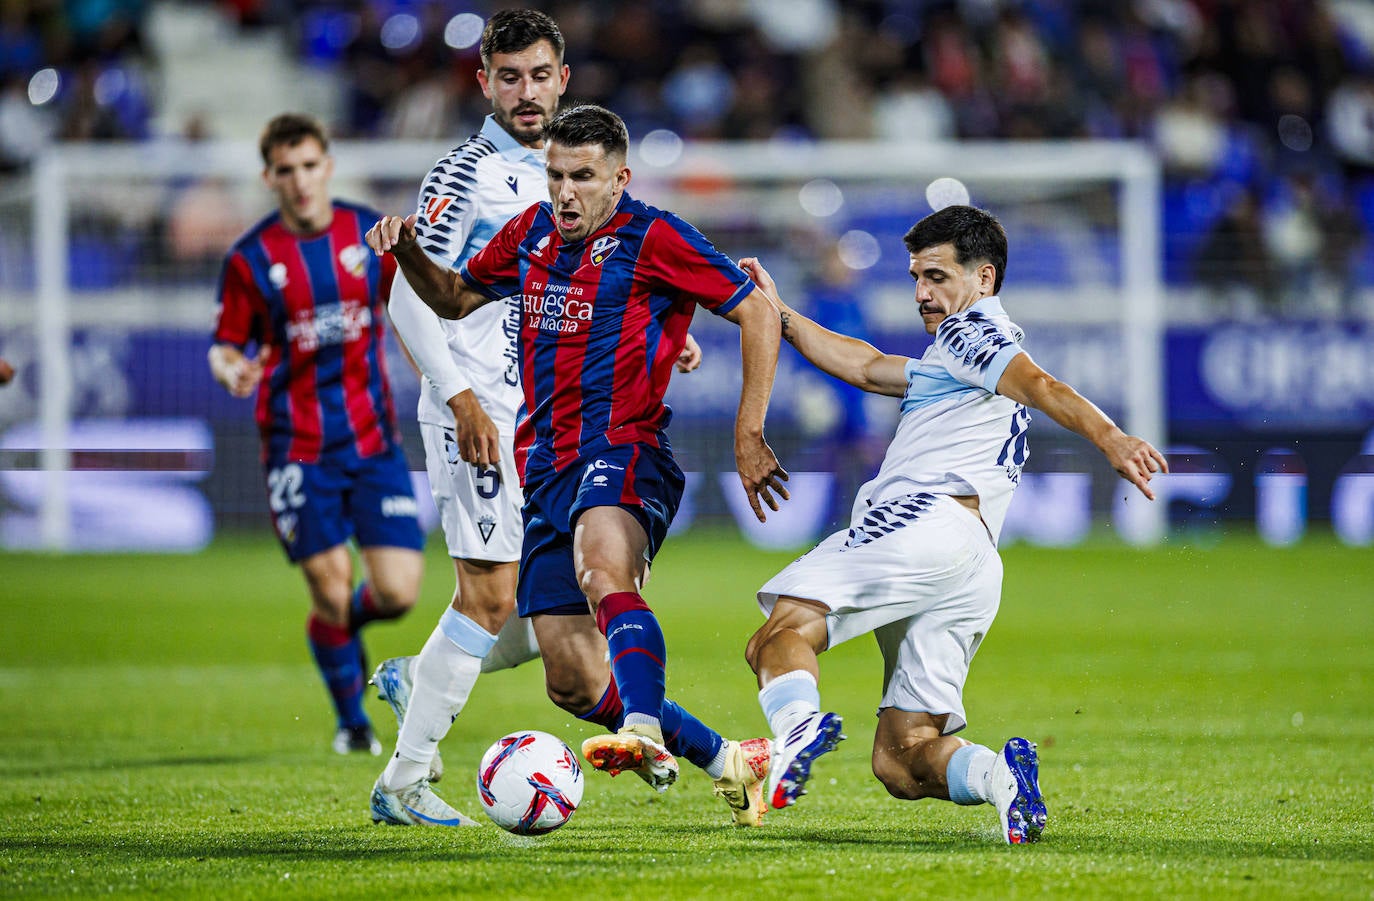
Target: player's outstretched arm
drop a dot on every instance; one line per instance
(1134, 458)
(238, 374)
(442, 290)
(848, 359)
(759, 470)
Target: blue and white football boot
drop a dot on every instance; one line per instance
(1015, 791)
(414, 805)
(794, 753)
(392, 680)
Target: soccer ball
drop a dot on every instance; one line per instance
(529, 782)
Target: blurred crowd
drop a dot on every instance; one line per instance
(1262, 110)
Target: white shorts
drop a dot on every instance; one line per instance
(921, 573)
(479, 507)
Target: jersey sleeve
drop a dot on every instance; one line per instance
(683, 262)
(446, 213)
(976, 349)
(495, 269)
(420, 331)
(241, 306)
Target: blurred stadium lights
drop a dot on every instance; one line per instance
(463, 31)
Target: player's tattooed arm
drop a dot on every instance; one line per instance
(787, 333)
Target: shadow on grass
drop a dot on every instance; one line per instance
(671, 845)
(104, 764)
(1061, 845)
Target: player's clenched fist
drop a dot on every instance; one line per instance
(391, 232)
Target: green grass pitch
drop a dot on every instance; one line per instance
(1205, 720)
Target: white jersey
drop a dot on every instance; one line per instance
(957, 436)
(466, 198)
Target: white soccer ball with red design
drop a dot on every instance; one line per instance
(529, 782)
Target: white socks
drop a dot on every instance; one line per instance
(970, 775)
(789, 699)
(442, 675)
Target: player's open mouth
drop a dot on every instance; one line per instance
(568, 220)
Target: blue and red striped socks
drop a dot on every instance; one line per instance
(637, 654)
(338, 654)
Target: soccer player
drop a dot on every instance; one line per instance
(302, 287)
(606, 287)
(469, 402)
(918, 566)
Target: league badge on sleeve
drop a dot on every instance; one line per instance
(434, 208)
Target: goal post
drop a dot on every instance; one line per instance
(1084, 271)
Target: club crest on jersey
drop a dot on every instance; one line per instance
(434, 208)
(603, 247)
(354, 259)
(486, 524)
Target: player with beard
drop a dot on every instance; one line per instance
(607, 287)
(469, 403)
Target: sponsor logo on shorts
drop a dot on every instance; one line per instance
(600, 482)
(400, 505)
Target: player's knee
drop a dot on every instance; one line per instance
(330, 603)
(596, 582)
(754, 647)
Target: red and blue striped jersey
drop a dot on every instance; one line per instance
(316, 305)
(602, 323)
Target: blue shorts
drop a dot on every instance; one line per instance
(316, 506)
(639, 478)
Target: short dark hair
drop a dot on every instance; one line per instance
(976, 234)
(586, 124)
(290, 129)
(512, 30)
